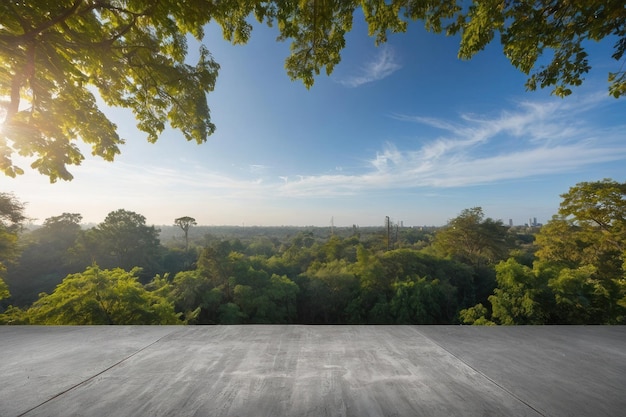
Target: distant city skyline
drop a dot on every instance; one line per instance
(331, 224)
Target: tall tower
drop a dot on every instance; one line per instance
(388, 226)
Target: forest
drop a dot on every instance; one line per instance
(474, 270)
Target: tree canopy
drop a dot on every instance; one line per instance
(474, 270)
(98, 296)
(529, 31)
(185, 224)
(578, 274)
(473, 239)
(122, 240)
(46, 256)
(55, 56)
(11, 219)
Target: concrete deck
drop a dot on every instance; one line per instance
(251, 371)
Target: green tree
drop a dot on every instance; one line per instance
(46, 258)
(600, 205)
(550, 31)
(4, 290)
(283, 292)
(476, 315)
(230, 313)
(472, 239)
(262, 246)
(124, 240)
(219, 269)
(133, 52)
(228, 288)
(64, 227)
(420, 301)
(560, 28)
(326, 292)
(336, 248)
(262, 297)
(520, 295)
(56, 53)
(195, 296)
(217, 263)
(185, 224)
(11, 219)
(582, 298)
(98, 296)
(299, 252)
(583, 249)
(375, 289)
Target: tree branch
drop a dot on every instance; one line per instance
(30, 32)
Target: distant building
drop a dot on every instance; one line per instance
(532, 222)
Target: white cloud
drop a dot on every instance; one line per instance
(531, 140)
(382, 66)
(258, 169)
(534, 139)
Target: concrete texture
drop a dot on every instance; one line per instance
(251, 371)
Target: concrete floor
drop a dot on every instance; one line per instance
(251, 371)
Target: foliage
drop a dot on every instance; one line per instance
(329, 287)
(101, 297)
(402, 263)
(420, 301)
(580, 297)
(123, 239)
(472, 239)
(194, 296)
(527, 30)
(600, 204)
(13, 316)
(185, 224)
(531, 33)
(517, 299)
(54, 55)
(65, 226)
(11, 219)
(46, 258)
(11, 212)
(578, 276)
(375, 287)
(267, 299)
(4, 290)
(316, 276)
(476, 315)
(585, 246)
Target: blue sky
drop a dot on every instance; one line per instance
(405, 130)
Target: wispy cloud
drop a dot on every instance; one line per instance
(258, 169)
(536, 138)
(529, 140)
(382, 66)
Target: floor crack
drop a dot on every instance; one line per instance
(97, 374)
(493, 381)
